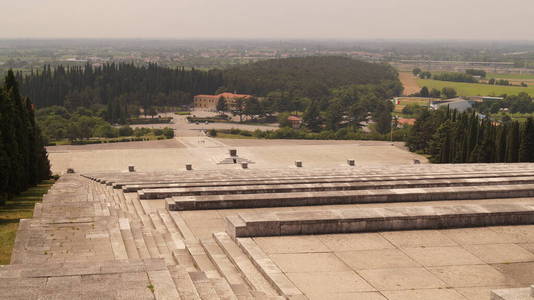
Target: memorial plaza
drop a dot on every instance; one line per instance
(203, 218)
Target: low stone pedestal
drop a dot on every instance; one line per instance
(513, 294)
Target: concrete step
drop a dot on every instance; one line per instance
(513, 294)
(223, 289)
(151, 244)
(127, 237)
(204, 286)
(269, 269)
(163, 249)
(243, 264)
(185, 286)
(326, 179)
(378, 219)
(226, 268)
(137, 232)
(169, 223)
(158, 223)
(117, 241)
(350, 197)
(319, 187)
(201, 259)
(117, 180)
(163, 284)
(180, 223)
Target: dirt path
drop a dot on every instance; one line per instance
(409, 82)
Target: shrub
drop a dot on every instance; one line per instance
(168, 132)
(212, 132)
(125, 131)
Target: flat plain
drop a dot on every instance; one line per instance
(476, 89)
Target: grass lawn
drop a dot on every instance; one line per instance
(21, 207)
(510, 76)
(475, 89)
(223, 135)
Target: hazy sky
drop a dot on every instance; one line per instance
(352, 19)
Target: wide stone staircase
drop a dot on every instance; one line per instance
(93, 237)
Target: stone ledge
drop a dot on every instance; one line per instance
(377, 219)
(227, 182)
(513, 294)
(351, 197)
(321, 187)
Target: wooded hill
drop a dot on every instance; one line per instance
(152, 85)
(313, 77)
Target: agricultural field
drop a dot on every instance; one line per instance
(403, 101)
(476, 89)
(511, 76)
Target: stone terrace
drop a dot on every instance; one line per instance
(400, 232)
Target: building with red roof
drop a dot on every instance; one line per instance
(209, 102)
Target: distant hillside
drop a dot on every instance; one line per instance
(305, 76)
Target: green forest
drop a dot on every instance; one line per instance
(331, 92)
(312, 77)
(122, 89)
(451, 137)
(23, 157)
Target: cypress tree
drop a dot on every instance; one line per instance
(22, 153)
(4, 160)
(312, 117)
(512, 145)
(502, 139)
(526, 148)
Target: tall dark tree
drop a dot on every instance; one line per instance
(221, 104)
(382, 116)
(312, 117)
(526, 147)
(512, 144)
(21, 152)
(424, 92)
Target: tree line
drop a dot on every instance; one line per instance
(451, 137)
(23, 157)
(121, 88)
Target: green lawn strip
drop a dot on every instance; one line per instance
(476, 89)
(20, 207)
(223, 135)
(510, 76)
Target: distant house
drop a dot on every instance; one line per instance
(403, 122)
(295, 121)
(485, 98)
(458, 104)
(209, 102)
